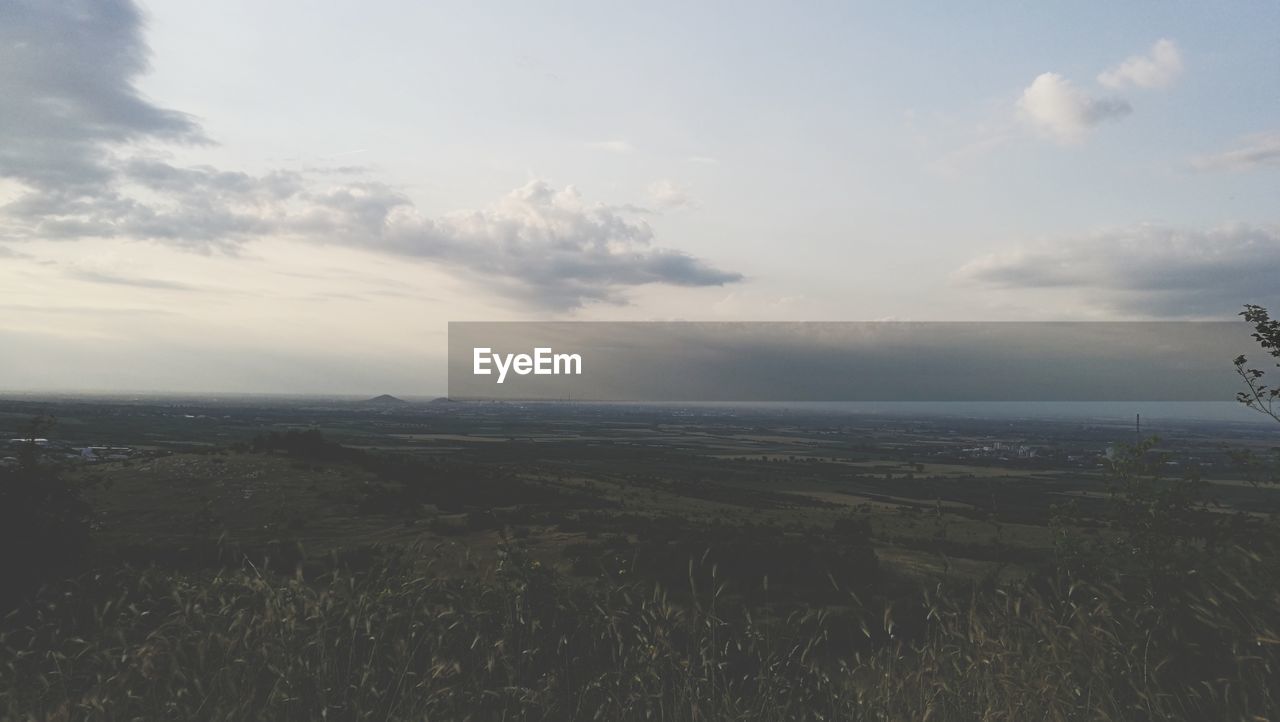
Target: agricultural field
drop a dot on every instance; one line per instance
(803, 528)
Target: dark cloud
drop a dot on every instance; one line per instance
(1149, 269)
(78, 135)
(67, 73)
(198, 208)
(6, 252)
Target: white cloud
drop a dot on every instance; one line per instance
(1055, 106)
(1254, 151)
(1148, 269)
(670, 195)
(1060, 109)
(1159, 68)
(546, 245)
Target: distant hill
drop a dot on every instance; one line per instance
(442, 400)
(387, 400)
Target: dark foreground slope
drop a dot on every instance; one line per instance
(652, 567)
(524, 643)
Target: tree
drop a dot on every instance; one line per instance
(1259, 396)
(1160, 529)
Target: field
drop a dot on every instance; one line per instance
(298, 559)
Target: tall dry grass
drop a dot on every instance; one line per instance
(525, 644)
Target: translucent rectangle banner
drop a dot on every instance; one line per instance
(855, 361)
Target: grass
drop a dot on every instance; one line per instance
(393, 626)
(183, 498)
(390, 643)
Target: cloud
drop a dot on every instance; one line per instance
(1255, 151)
(115, 280)
(6, 252)
(1147, 269)
(1058, 108)
(68, 83)
(1055, 106)
(197, 208)
(80, 140)
(538, 242)
(670, 195)
(1159, 68)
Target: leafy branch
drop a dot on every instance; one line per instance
(1259, 396)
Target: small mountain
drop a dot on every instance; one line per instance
(441, 400)
(386, 400)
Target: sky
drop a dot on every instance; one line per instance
(297, 197)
